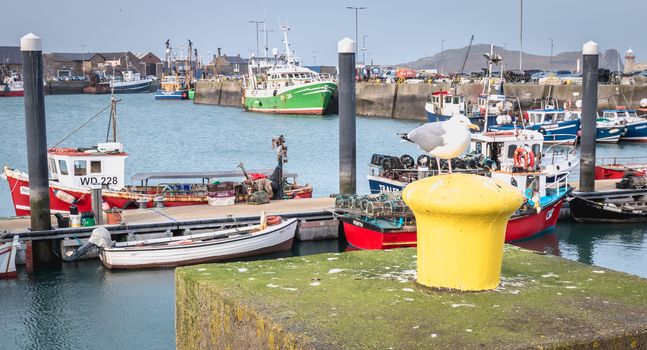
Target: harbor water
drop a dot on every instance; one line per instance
(82, 305)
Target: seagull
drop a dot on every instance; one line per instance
(447, 139)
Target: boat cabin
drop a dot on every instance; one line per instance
(548, 116)
(78, 167)
(492, 105)
(621, 115)
(171, 83)
(445, 103)
(501, 146)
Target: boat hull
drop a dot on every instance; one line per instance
(556, 132)
(608, 134)
(172, 95)
(636, 132)
(528, 226)
(518, 228)
(612, 171)
(312, 98)
(278, 239)
(12, 93)
(8, 259)
(132, 86)
(583, 210)
(362, 235)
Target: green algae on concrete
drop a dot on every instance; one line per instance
(369, 300)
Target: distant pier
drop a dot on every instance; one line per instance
(407, 101)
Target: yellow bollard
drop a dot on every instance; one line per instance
(461, 222)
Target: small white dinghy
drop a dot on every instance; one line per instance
(196, 248)
(8, 258)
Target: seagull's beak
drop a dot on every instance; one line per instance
(474, 127)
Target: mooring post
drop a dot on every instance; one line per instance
(589, 116)
(97, 198)
(347, 147)
(32, 72)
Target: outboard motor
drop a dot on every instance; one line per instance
(100, 237)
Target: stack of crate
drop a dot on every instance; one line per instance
(221, 193)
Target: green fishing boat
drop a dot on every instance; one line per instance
(282, 86)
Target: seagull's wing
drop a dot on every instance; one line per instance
(428, 136)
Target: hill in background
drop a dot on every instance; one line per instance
(452, 59)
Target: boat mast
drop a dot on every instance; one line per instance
(190, 70)
(168, 53)
(288, 53)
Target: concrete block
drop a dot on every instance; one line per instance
(318, 230)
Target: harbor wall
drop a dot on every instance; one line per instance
(407, 101)
(220, 93)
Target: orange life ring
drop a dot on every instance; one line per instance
(273, 220)
(523, 158)
(567, 104)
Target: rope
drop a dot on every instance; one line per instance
(82, 125)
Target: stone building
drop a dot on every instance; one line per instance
(149, 64)
(630, 63)
(10, 61)
(62, 64)
(229, 65)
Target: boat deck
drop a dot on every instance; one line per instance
(186, 217)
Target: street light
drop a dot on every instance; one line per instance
(356, 10)
(257, 23)
(265, 31)
(314, 57)
(83, 58)
(520, 34)
(551, 54)
(442, 54)
(364, 49)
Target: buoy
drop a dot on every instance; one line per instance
(65, 197)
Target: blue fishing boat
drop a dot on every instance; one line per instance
(175, 81)
(635, 126)
(172, 87)
(555, 124)
(607, 130)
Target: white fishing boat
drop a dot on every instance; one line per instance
(8, 258)
(196, 248)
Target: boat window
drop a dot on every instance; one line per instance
(548, 117)
(478, 148)
(456, 100)
(52, 166)
(511, 150)
(62, 165)
(80, 168)
(536, 149)
(95, 167)
(448, 99)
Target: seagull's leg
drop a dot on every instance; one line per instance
(438, 162)
(450, 165)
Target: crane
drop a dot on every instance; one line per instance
(467, 54)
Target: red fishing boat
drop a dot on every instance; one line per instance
(371, 230)
(617, 167)
(75, 171)
(12, 86)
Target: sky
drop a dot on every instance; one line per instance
(397, 31)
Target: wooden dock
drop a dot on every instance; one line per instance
(180, 218)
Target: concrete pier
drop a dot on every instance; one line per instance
(407, 101)
(370, 300)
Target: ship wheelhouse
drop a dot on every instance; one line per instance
(84, 168)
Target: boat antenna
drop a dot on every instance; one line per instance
(112, 121)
